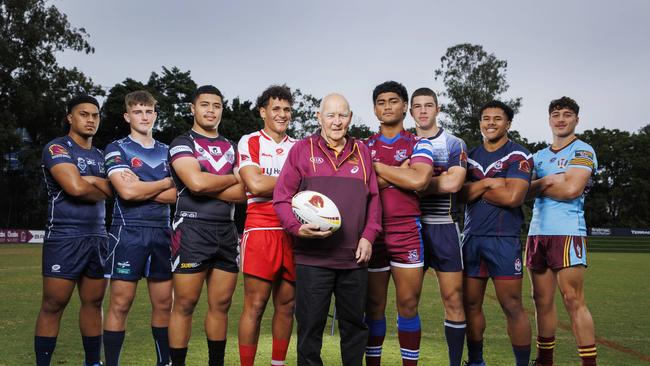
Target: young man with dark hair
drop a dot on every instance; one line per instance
(497, 181)
(139, 238)
(204, 239)
(442, 246)
(556, 252)
(404, 164)
(266, 253)
(75, 239)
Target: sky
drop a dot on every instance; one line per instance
(596, 52)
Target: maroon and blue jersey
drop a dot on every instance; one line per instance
(448, 151)
(396, 202)
(67, 216)
(150, 165)
(509, 161)
(216, 155)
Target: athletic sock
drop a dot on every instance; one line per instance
(455, 335)
(113, 346)
(177, 356)
(409, 333)
(161, 341)
(216, 352)
(545, 348)
(475, 351)
(92, 348)
(247, 354)
(279, 354)
(522, 354)
(376, 335)
(44, 348)
(588, 355)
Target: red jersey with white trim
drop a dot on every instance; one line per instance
(260, 150)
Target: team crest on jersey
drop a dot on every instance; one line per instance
(413, 255)
(577, 248)
(81, 164)
(215, 150)
(400, 155)
(136, 162)
(561, 163)
(518, 265)
(498, 165)
(524, 166)
(463, 156)
(354, 169)
(58, 151)
(279, 151)
(230, 157)
(316, 160)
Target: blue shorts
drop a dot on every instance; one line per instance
(498, 257)
(442, 247)
(71, 258)
(137, 251)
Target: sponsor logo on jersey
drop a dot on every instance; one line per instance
(244, 157)
(518, 265)
(215, 150)
(354, 170)
(189, 214)
(267, 155)
(316, 160)
(273, 172)
(400, 155)
(58, 151)
(179, 149)
(56, 268)
(584, 154)
(136, 162)
(189, 265)
(81, 164)
(524, 166)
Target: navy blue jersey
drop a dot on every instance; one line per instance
(69, 217)
(149, 164)
(215, 155)
(509, 161)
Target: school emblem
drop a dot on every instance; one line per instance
(400, 155)
(518, 265)
(136, 162)
(230, 157)
(413, 255)
(498, 165)
(561, 163)
(524, 166)
(215, 150)
(58, 151)
(81, 164)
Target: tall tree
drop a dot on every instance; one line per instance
(471, 77)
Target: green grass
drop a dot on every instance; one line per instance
(618, 294)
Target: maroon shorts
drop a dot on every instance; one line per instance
(400, 245)
(267, 254)
(555, 251)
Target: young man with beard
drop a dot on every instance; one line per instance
(404, 164)
(498, 177)
(139, 239)
(204, 239)
(266, 253)
(75, 239)
(442, 246)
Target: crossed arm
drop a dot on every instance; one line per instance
(86, 188)
(129, 187)
(450, 181)
(223, 187)
(562, 187)
(414, 177)
(505, 192)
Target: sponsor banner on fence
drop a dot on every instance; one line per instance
(12, 236)
(618, 231)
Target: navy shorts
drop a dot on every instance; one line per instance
(198, 245)
(71, 258)
(498, 257)
(442, 247)
(137, 251)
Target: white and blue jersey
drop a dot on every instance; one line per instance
(69, 217)
(509, 161)
(448, 151)
(553, 217)
(149, 164)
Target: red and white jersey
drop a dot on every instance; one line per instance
(260, 150)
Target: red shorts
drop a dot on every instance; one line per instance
(267, 254)
(555, 251)
(400, 245)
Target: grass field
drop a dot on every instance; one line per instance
(618, 293)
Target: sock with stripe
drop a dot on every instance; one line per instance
(113, 346)
(177, 356)
(455, 335)
(92, 349)
(161, 341)
(247, 354)
(44, 348)
(376, 335)
(216, 352)
(279, 353)
(409, 334)
(588, 355)
(545, 348)
(522, 354)
(475, 351)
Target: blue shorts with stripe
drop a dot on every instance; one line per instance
(138, 251)
(442, 247)
(498, 257)
(72, 258)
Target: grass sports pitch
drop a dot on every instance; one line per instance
(617, 288)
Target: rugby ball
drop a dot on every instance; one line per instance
(312, 207)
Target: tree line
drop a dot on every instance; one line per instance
(34, 89)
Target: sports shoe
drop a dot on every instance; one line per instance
(474, 364)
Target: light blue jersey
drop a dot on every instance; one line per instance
(553, 217)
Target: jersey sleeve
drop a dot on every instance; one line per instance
(249, 151)
(584, 157)
(56, 153)
(521, 165)
(114, 159)
(422, 152)
(181, 147)
(457, 154)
